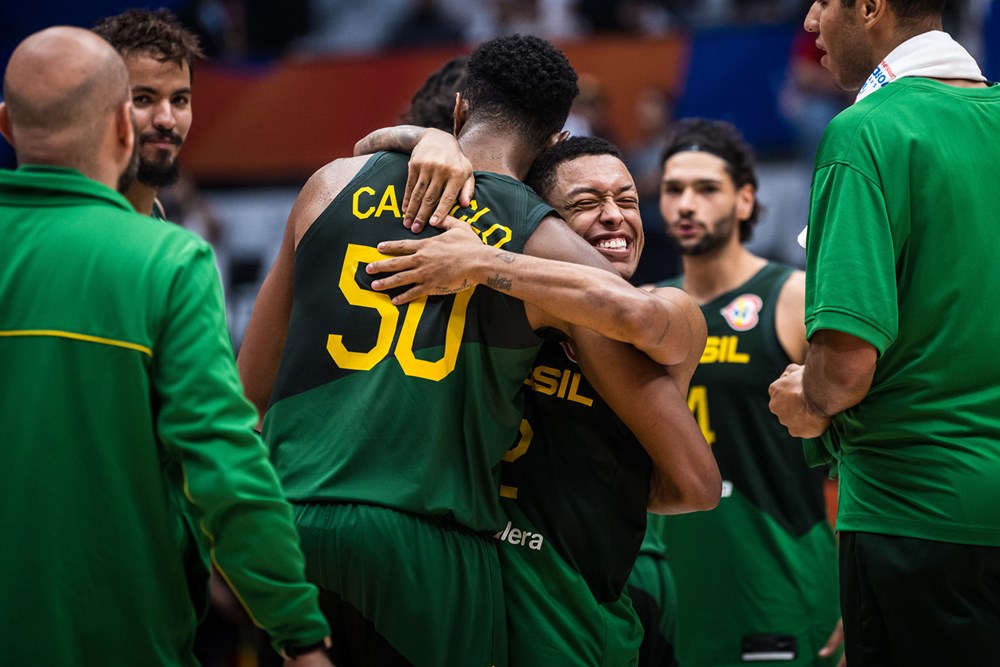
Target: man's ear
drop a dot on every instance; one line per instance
(745, 198)
(556, 138)
(5, 125)
(871, 12)
(125, 127)
(461, 112)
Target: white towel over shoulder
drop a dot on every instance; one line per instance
(931, 54)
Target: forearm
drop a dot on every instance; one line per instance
(838, 373)
(401, 138)
(685, 475)
(586, 296)
(647, 398)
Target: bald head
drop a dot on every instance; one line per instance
(62, 88)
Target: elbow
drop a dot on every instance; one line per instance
(708, 492)
(697, 493)
(839, 394)
(838, 374)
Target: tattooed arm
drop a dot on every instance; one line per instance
(567, 282)
(571, 287)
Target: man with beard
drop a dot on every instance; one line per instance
(160, 55)
(756, 577)
(900, 388)
(126, 437)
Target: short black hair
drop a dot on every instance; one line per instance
(157, 33)
(542, 177)
(910, 9)
(433, 105)
(521, 83)
(723, 140)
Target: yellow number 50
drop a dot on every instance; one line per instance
(358, 296)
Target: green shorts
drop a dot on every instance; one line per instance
(553, 618)
(425, 586)
(916, 602)
(654, 597)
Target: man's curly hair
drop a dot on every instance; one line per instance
(156, 33)
(723, 140)
(520, 83)
(542, 177)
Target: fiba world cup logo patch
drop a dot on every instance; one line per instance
(743, 312)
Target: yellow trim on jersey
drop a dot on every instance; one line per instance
(78, 336)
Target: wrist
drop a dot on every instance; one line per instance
(482, 264)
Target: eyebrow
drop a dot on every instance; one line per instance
(587, 190)
(697, 181)
(149, 89)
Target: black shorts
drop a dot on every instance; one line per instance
(916, 602)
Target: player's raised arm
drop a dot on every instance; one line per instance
(439, 174)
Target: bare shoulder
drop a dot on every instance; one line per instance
(674, 294)
(685, 305)
(796, 282)
(321, 189)
(792, 297)
(685, 309)
(790, 316)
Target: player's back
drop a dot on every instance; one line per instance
(408, 407)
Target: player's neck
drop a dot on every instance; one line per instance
(706, 277)
(141, 197)
(496, 153)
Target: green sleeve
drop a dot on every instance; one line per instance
(850, 258)
(206, 423)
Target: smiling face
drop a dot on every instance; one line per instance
(839, 33)
(596, 196)
(161, 97)
(700, 204)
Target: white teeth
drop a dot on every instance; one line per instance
(617, 243)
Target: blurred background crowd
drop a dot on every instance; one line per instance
(289, 86)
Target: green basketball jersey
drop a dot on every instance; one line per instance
(409, 407)
(575, 489)
(764, 561)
